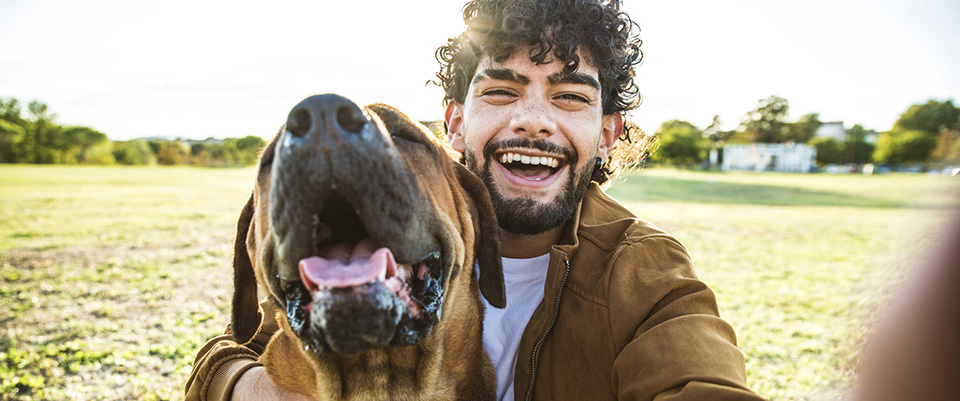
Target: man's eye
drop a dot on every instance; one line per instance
(573, 97)
(498, 92)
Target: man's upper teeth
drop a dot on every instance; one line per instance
(548, 161)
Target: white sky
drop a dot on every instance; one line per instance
(198, 69)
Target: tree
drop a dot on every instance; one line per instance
(803, 130)
(134, 152)
(899, 147)
(10, 137)
(858, 149)
(10, 111)
(931, 117)
(948, 147)
(43, 135)
(768, 123)
(169, 153)
(100, 153)
(33, 136)
(78, 141)
(680, 143)
(250, 147)
(717, 137)
(829, 150)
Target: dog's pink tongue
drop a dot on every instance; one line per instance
(340, 266)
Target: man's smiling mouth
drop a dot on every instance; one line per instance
(532, 168)
(548, 161)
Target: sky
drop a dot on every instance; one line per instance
(199, 69)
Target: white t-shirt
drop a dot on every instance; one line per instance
(524, 280)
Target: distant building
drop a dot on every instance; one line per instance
(782, 157)
(832, 130)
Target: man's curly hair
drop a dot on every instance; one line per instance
(552, 29)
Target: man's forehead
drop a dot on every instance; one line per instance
(512, 70)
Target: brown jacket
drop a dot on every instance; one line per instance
(624, 317)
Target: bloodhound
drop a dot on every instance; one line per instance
(364, 234)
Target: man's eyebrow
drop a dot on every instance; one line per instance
(501, 74)
(573, 78)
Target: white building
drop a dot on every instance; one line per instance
(832, 130)
(783, 157)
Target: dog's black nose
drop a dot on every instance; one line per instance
(333, 112)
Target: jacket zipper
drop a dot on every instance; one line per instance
(543, 337)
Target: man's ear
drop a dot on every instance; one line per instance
(611, 130)
(454, 119)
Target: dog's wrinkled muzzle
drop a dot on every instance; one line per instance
(356, 261)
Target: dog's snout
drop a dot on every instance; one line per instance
(326, 112)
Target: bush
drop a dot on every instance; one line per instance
(900, 147)
(680, 143)
(133, 153)
(829, 150)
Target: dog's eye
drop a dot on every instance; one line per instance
(265, 167)
(406, 136)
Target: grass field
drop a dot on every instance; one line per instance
(111, 278)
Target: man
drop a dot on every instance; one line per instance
(600, 304)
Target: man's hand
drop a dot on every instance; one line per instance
(255, 385)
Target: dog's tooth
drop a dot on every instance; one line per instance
(535, 160)
(382, 276)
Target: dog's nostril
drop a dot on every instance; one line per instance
(350, 119)
(299, 122)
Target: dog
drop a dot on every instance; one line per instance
(368, 238)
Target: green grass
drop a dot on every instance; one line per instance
(111, 278)
(800, 263)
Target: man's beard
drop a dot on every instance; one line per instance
(528, 216)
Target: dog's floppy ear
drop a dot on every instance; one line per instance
(487, 247)
(246, 310)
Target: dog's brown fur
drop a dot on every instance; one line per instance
(450, 363)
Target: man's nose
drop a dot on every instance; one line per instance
(534, 118)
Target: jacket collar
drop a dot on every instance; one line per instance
(599, 218)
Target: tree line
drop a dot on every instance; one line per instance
(33, 136)
(927, 133)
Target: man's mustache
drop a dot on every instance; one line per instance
(548, 147)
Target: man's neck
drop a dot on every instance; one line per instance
(520, 246)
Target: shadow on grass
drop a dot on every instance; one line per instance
(665, 189)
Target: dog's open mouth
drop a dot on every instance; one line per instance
(353, 295)
(339, 266)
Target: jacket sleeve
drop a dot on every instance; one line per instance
(221, 361)
(677, 346)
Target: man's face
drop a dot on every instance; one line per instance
(533, 135)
